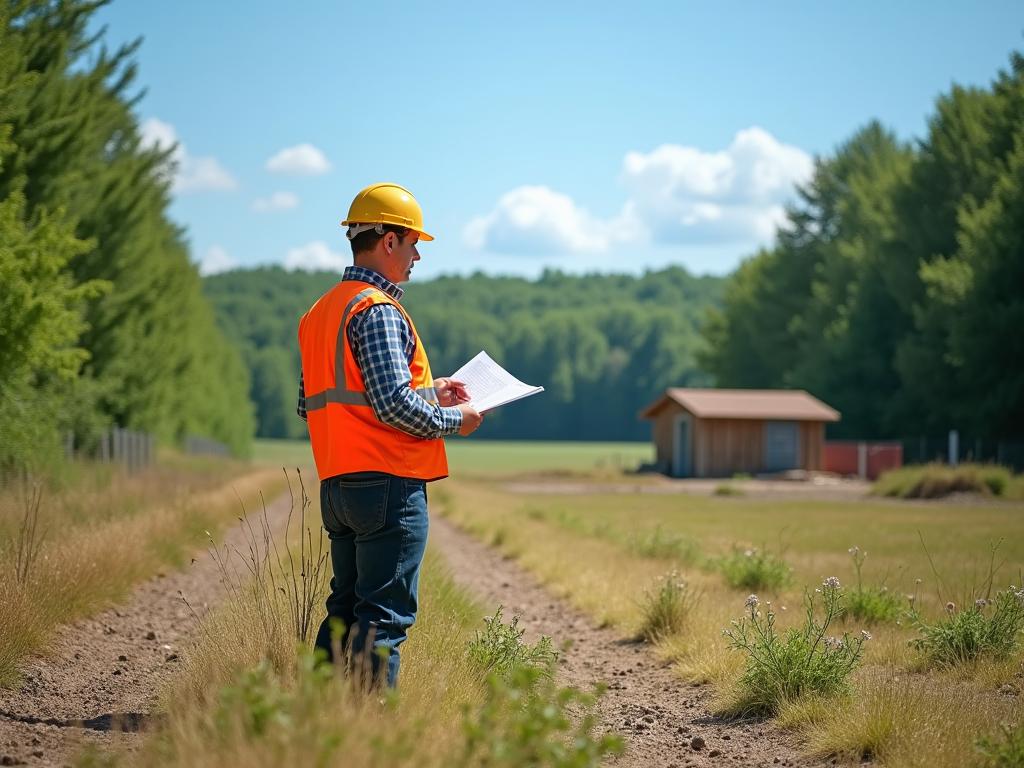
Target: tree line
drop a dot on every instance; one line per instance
(896, 290)
(603, 346)
(102, 316)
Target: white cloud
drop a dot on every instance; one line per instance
(301, 160)
(315, 256)
(192, 174)
(537, 220)
(678, 195)
(279, 201)
(215, 260)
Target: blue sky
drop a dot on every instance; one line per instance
(585, 137)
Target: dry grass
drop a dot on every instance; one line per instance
(580, 547)
(315, 720)
(903, 720)
(933, 481)
(98, 536)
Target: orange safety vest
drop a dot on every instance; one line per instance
(346, 435)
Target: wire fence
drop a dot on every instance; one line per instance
(204, 446)
(957, 449)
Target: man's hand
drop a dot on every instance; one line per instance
(450, 392)
(470, 419)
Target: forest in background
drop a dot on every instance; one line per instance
(602, 345)
(896, 292)
(102, 317)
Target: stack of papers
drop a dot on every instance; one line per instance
(489, 385)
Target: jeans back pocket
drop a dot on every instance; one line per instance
(360, 504)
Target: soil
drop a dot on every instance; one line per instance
(99, 679)
(665, 722)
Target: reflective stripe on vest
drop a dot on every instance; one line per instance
(339, 393)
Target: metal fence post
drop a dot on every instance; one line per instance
(954, 447)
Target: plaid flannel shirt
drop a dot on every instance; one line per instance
(383, 345)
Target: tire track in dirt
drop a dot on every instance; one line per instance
(99, 680)
(660, 716)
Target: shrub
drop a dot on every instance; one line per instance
(665, 611)
(729, 490)
(754, 569)
(989, 628)
(874, 604)
(781, 668)
(528, 720)
(932, 481)
(500, 649)
(1005, 750)
(662, 545)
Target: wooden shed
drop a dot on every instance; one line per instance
(721, 432)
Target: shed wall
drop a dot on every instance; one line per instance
(724, 447)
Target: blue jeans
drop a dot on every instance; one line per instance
(377, 526)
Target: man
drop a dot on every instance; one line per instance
(376, 418)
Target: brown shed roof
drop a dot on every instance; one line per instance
(786, 404)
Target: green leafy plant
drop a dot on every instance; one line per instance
(754, 569)
(500, 650)
(988, 628)
(781, 667)
(729, 490)
(874, 604)
(528, 720)
(1005, 750)
(665, 610)
(664, 545)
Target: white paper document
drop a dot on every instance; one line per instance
(489, 385)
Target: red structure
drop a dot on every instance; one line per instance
(850, 457)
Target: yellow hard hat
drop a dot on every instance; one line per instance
(385, 204)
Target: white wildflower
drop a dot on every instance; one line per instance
(752, 600)
(980, 603)
(831, 582)
(865, 634)
(853, 550)
(833, 642)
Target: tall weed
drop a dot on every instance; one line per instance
(660, 544)
(781, 668)
(500, 649)
(665, 610)
(989, 628)
(874, 604)
(754, 569)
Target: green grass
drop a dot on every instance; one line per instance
(469, 456)
(282, 453)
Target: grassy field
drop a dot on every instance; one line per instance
(609, 553)
(468, 456)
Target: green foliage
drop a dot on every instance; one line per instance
(896, 292)
(754, 569)
(603, 344)
(528, 720)
(105, 288)
(932, 481)
(987, 629)
(873, 604)
(1005, 750)
(780, 668)
(666, 609)
(660, 544)
(499, 650)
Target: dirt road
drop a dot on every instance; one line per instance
(102, 674)
(665, 721)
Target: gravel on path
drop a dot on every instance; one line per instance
(665, 722)
(99, 680)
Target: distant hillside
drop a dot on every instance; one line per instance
(602, 345)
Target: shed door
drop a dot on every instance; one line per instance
(781, 451)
